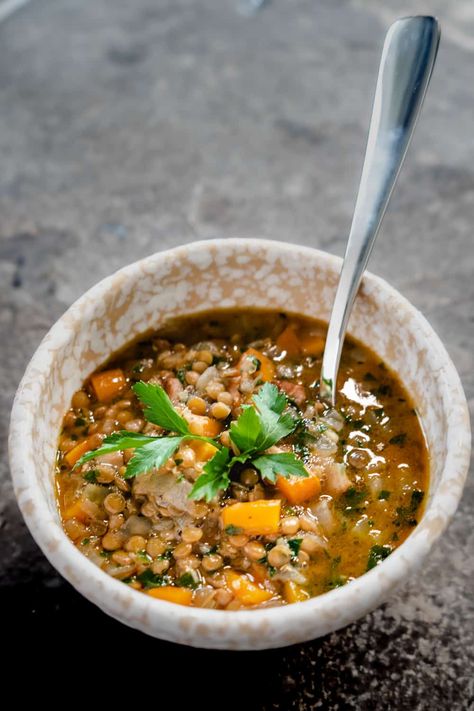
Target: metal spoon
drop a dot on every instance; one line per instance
(408, 58)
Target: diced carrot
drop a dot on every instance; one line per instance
(202, 425)
(258, 518)
(259, 572)
(76, 452)
(245, 590)
(266, 368)
(75, 510)
(293, 592)
(288, 341)
(203, 450)
(312, 345)
(180, 596)
(108, 384)
(297, 489)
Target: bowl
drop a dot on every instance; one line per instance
(229, 273)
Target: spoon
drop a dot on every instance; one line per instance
(408, 58)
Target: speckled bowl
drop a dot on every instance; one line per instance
(226, 273)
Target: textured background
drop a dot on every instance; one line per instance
(129, 127)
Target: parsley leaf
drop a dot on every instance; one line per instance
(258, 429)
(285, 464)
(245, 431)
(159, 408)
(114, 443)
(215, 477)
(152, 455)
(271, 398)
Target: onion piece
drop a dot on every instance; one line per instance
(323, 511)
(333, 419)
(337, 481)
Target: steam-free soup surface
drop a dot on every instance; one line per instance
(264, 496)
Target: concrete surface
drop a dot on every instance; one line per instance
(128, 127)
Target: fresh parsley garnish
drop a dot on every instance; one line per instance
(259, 426)
(91, 476)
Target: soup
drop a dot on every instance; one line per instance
(199, 466)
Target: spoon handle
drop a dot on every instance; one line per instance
(408, 58)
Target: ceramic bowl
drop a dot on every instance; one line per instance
(229, 273)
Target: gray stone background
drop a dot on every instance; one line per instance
(130, 126)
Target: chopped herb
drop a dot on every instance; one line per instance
(405, 514)
(85, 541)
(377, 555)
(105, 554)
(91, 476)
(181, 373)
(271, 570)
(187, 581)
(151, 580)
(178, 461)
(166, 555)
(138, 368)
(80, 422)
(398, 439)
(354, 496)
(384, 495)
(294, 545)
(143, 557)
(337, 582)
(232, 530)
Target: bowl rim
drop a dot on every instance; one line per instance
(68, 559)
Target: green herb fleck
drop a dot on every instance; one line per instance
(294, 545)
(232, 530)
(187, 581)
(91, 476)
(377, 554)
(384, 495)
(80, 422)
(150, 580)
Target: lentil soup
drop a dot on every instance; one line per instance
(199, 466)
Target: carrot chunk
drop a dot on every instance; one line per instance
(259, 518)
(245, 590)
(293, 592)
(297, 489)
(180, 596)
(265, 369)
(312, 345)
(108, 384)
(288, 341)
(76, 452)
(202, 425)
(203, 450)
(75, 510)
